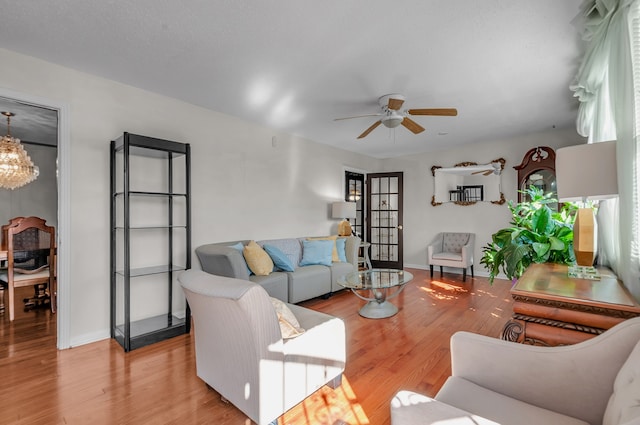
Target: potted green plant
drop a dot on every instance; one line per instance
(537, 234)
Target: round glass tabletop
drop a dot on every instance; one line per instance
(375, 278)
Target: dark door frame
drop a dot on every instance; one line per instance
(380, 216)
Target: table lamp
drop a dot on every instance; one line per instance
(586, 172)
(344, 210)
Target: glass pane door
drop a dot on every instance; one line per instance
(384, 227)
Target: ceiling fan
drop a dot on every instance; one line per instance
(496, 169)
(392, 117)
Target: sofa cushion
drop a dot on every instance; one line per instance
(334, 253)
(480, 401)
(447, 256)
(276, 284)
(308, 282)
(280, 259)
(291, 247)
(289, 325)
(410, 408)
(317, 252)
(624, 404)
(257, 259)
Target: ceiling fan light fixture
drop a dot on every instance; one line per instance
(392, 121)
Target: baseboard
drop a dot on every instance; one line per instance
(89, 338)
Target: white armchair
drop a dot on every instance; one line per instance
(495, 381)
(452, 250)
(241, 354)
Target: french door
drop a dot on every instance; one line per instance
(384, 219)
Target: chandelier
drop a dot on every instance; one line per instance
(16, 167)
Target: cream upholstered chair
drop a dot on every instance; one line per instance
(451, 249)
(240, 351)
(493, 381)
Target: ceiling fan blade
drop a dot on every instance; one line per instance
(412, 126)
(395, 104)
(370, 129)
(449, 112)
(483, 172)
(357, 116)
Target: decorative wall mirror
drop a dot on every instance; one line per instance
(468, 182)
(538, 168)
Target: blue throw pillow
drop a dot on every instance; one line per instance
(279, 258)
(317, 252)
(239, 247)
(341, 244)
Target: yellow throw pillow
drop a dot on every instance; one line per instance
(257, 259)
(289, 325)
(334, 254)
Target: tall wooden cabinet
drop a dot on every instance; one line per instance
(150, 239)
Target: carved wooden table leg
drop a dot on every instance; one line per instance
(513, 331)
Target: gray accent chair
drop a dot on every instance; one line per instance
(493, 381)
(241, 354)
(450, 249)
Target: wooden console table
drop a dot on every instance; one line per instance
(551, 308)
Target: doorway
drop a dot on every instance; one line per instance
(60, 188)
(354, 192)
(384, 219)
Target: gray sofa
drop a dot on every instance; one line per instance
(304, 283)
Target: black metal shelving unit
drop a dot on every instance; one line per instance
(151, 224)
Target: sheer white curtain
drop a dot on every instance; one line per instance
(610, 100)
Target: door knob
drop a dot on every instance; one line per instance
(400, 227)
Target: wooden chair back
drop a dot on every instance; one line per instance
(30, 245)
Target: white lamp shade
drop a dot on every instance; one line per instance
(586, 172)
(343, 210)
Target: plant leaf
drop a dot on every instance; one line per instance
(541, 250)
(556, 244)
(541, 220)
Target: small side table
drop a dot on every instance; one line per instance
(363, 260)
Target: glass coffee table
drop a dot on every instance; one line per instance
(376, 286)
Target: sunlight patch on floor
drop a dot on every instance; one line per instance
(442, 290)
(328, 406)
(485, 292)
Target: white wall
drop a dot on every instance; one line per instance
(40, 197)
(422, 221)
(242, 187)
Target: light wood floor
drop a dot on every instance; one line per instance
(99, 384)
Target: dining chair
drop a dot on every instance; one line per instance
(30, 246)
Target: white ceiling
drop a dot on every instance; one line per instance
(295, 65)
(31, 124)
